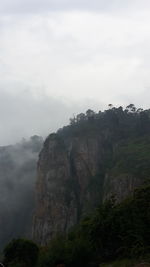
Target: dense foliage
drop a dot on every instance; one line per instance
(115, 123)
(112, 231)
(21, 252)
(133, 157)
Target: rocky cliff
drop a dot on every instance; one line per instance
(65, 174)
(84, 164)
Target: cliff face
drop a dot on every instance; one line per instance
(65, 172)
(86, 163)
(72, 180)
(120, 186)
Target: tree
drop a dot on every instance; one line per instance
(90, 114)
(110, 106)
(72, 120)
(81, 117)
(131, 108)
(21, 251)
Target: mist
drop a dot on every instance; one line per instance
(23, 114)
(17, 185)
(59, 58)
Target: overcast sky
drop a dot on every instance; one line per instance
(60, 57)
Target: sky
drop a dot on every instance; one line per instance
(61, 57)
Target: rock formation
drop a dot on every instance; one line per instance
(84, 164)
(65, 173)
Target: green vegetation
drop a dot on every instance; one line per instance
(114, 234)
(133, 157)
(21, 252)
(114, 124)
(112, 231)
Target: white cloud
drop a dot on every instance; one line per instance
(73, 55)
(40, 6)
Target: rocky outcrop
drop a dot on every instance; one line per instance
(66, 171)
(120, 186)
(72, 180)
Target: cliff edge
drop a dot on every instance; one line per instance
(98, 155)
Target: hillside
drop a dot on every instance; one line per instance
(114, 235)
(98, 155)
